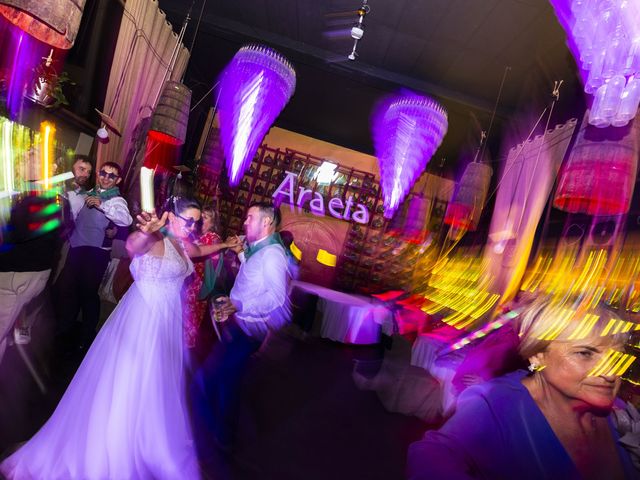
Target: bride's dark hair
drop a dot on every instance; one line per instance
(178, 204)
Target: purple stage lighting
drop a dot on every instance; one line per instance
(407, 130)
(254, 88)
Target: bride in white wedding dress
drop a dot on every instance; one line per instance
(124, 416)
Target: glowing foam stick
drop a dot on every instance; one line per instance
(7, 159)
(62, 177)
(146, 189)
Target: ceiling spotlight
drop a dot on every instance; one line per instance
(357, 31)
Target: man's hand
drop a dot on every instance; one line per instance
(234, 244)
(111, 232)
(150, 223)
(92, 201)
(222, 309)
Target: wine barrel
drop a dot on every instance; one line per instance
(171, 116)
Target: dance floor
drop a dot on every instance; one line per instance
(301, 414)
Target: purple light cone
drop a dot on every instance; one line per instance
(254, 88)
(407, 131)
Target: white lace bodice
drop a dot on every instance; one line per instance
(168, 271)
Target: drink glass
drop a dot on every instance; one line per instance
(217, 307)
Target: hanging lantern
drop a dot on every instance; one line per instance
(395, 226)
(54, 22)
(407, 130)
(599, 176)
(254, 88)
(410, 222)
(212, 155)
(415, 227)
(171, 116)
(466, 206)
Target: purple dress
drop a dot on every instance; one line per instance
(497, 432)
(124, 414)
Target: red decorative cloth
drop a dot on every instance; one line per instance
(194, 310)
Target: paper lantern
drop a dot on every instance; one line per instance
(254, 88)
(599, 176)
(407, 130)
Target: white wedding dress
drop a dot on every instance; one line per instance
(124, 414)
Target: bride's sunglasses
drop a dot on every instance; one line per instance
(188, 221)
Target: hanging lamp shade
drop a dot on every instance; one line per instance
(407, 130)
(465, 208)
(212, 155)
(395, 227)
(171, 116)
(410, 222)
(415, 227)
(254, 88)
(599, 176)
(54, 22)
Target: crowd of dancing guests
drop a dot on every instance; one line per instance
(125, 413)
(133, 405)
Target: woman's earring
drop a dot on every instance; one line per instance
(534, 367)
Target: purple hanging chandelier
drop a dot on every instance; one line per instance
(254, 88)
(407, 130)
(604, 37)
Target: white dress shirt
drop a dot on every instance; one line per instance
(76, 201)
(260, 292)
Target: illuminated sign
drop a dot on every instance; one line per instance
(337, 208)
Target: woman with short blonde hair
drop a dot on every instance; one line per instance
(551, 422)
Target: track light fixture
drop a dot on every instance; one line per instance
(357, 31)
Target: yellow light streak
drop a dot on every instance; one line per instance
(47, 133)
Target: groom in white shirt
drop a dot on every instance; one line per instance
(259, 302)
(260, 293)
